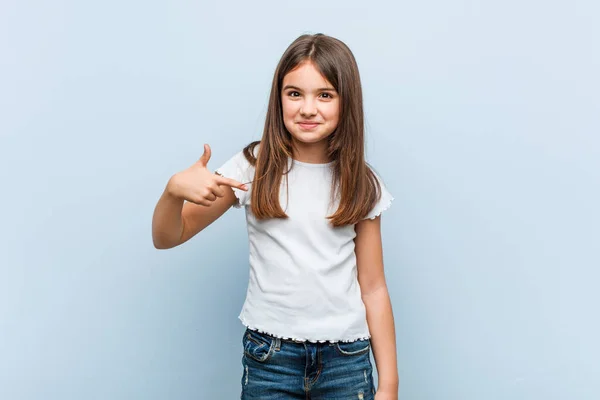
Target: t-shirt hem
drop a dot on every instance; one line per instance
(269, 332)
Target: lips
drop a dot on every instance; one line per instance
(308, 125)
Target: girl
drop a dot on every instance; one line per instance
(317, 300)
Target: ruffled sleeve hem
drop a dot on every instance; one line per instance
(385, 201)
(382, 206)
(239, 194)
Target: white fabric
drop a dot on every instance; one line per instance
(303, 278)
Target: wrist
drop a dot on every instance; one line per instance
(388, 385)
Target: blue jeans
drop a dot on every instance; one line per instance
(279, 369)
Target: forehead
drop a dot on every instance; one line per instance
(306, 76)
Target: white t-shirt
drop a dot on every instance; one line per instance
(303, 277)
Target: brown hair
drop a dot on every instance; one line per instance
(353, 180)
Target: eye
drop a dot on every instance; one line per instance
(291, 94)
(328, 95)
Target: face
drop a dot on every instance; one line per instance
(310, 107)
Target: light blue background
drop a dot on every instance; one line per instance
(483, 119)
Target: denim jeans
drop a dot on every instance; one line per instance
(279, 369)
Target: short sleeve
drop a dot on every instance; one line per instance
(238, 168)
(384, 202)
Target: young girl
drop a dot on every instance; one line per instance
(317, 300)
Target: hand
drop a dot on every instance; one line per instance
(198, 185)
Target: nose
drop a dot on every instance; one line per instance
(309, 107)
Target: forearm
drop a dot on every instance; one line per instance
(167, 224)
(383, 337)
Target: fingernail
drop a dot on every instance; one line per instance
(244, 187)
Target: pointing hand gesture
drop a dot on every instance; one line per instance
(200, 186)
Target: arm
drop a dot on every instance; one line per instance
(208, 196)
(375, 296)
(175, 222)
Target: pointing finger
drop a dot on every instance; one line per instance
(231, 182)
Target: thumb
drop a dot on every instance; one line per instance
(206, 156)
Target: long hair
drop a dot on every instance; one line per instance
(354, 183)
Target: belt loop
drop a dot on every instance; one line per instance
(277, 344)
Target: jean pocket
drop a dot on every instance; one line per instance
(257, 346)
(355, 348)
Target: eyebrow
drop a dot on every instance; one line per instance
(297, 88)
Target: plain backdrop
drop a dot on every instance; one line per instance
(482, 118)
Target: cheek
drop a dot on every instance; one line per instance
(288, 108)
(288, 112)
(332, 113)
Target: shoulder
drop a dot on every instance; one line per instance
(250, 152)
(375, 176)
(241, 164)
(244, 159)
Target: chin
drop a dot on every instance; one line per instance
(309, 137)
(311, 140)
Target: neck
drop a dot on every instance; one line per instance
(312, 153)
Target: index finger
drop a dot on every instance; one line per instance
(221, 180)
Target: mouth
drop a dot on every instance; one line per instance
(308, 125)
